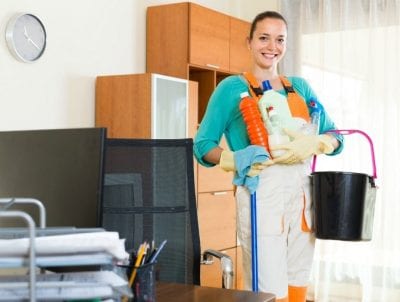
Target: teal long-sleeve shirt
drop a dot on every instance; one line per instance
(223, 117)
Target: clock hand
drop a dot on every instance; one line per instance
(26, 33)
(33, 43)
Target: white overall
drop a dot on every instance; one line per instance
(285, 251)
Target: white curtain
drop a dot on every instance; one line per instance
(349, 51)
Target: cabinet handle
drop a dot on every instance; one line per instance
(220, 193)
(212, 66)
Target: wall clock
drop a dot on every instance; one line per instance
(26, 37)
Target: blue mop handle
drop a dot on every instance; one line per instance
(254, 256)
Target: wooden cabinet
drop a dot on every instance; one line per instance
(192, 42)
(180, 43)
(185, 34)
(146, 106)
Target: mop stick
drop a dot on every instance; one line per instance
(254, 256)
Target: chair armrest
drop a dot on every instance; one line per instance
(226, 265)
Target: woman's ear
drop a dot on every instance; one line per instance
(248, 43)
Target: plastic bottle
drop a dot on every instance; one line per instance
(274, 99)
(276, 135)
(315, 109)
(252, 118)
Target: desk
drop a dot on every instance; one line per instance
(167, 292)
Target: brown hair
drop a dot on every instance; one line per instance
(262, 16)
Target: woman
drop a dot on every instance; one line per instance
(285, 241)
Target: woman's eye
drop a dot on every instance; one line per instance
(263, 38)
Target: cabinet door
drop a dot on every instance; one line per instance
(167, 39)
(170, 107)
(217, 220)
(240, 58)
(123, 105)
(209, 38)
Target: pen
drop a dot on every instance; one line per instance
(137, 263)
(145, 254)
(134, 270)
(154, 257)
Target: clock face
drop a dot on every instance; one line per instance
(26, 37)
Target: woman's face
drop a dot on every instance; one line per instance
(268, 44)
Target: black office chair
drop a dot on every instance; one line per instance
(149, 194)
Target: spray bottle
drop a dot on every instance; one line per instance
(251, 116)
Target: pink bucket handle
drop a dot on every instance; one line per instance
(346, 132)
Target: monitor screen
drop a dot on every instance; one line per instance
(62, 168)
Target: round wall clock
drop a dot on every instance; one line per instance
(26, 37)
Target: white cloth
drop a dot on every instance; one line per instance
(285, 252)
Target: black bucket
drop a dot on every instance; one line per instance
(344, 202)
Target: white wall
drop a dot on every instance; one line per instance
(86, 38)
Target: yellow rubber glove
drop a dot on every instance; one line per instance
(227, 163)
(303, 146)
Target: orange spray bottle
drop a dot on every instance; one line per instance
(254, 123)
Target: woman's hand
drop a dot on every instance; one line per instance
(303, 146)
(252, 160)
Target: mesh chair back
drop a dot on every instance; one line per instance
(148, 194)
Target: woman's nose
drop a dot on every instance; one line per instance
(271, 45)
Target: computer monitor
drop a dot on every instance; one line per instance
(63, 168)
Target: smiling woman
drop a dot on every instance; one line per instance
(26, 37)
(282, 237)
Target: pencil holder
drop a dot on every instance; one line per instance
(144, 286)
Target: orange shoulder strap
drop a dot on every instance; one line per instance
(297, 105)
(255, 89)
